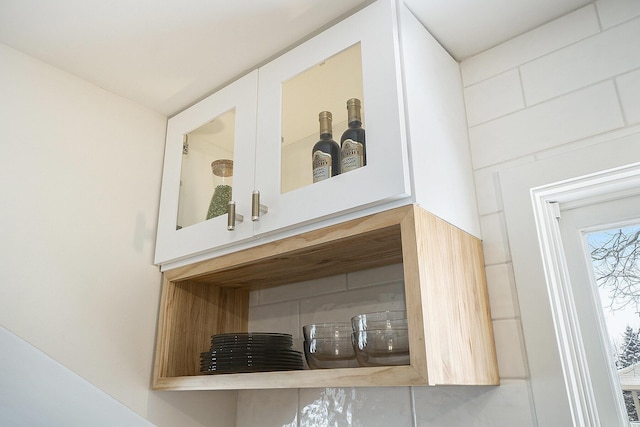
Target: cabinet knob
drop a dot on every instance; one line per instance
(256, 208)
(232, 217)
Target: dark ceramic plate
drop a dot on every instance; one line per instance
(252, 337)
(254, 367)
(284, 355)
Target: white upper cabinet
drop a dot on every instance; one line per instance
(209, 160)
(266, 124)
(356, 58)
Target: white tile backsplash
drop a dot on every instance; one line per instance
(488, 186)
(493, 97)
(494, 241)
(589, 111)
(629, 90)
(287, 308)
(351, 407)
(534, 44)
(279, 317)
(608, 54)
(267, 408)
(332, 308)
(501, 287)
(489, 200)
(297, 291)
(375, 276)
(507, 405)
(509, 348)
(605, 138)
(253, 298)
(613, 12)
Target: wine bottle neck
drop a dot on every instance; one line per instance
(353, 112)
(325, 119)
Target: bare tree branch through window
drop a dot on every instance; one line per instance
(616, 261)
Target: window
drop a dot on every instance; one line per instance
(615, 258)
(560, 378)
(601, 250)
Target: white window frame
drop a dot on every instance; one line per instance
(552, 403)
(546, 200)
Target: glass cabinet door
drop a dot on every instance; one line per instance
(209, 162)
(303, 99)
(206, 173)
(357, 59)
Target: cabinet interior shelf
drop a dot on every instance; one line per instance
(451, 337)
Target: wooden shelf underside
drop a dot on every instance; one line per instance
(360, 244)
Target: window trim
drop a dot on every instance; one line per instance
(518, 246)
(545, 200)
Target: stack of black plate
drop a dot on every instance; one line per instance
(250, 352)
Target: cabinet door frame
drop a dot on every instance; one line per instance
(386, 176)
(173, 244)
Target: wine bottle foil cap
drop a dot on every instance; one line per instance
(353, 102)
(222, 167)
(325, 115)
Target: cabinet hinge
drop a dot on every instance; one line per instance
(185, 145)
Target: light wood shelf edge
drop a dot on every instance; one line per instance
(345, 377)
(447, 266)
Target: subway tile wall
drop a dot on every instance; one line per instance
(570, 83)
(331, 299)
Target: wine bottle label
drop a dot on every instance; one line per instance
(352, 155)
(321, 166)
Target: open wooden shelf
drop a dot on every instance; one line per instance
(451, 336)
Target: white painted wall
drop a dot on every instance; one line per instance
(80, 176)
(37, 391)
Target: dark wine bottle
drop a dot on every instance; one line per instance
(326, 152)
(353, 145)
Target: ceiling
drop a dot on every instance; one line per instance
(167, 54)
